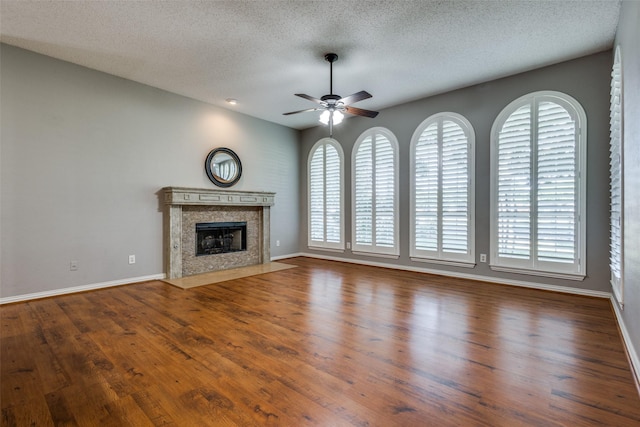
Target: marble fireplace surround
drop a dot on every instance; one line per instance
(182, 205)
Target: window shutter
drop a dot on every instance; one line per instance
(364, 193)
(556, 184)
(325, 196)
(316, 205)
(384, 200)
(537, 192)
(455, 189)
(514, 186)
(333, 205)
(615, 172)
(442, 210)
(426, 189)
(375, 193)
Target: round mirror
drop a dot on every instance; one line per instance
(223, 167)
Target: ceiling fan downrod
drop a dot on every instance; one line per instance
(331, 58)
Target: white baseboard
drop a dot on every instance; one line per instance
(628, 343)
(84, 288)
(276, 258)
(520, 283)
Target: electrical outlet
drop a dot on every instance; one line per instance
(132, 259)
(483, 257)
(348, 245)
(277, 242)
(73, 266)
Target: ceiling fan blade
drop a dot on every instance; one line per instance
(361, 112)
(309, 97)
(300, 111)
(363, 94)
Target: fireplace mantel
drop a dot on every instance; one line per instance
(175, 198)
(208, 197)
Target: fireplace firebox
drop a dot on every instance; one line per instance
(220, 237)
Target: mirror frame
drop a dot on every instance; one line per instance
(217, 180)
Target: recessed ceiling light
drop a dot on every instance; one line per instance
(232, 101)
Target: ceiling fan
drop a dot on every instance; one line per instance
(334, 106)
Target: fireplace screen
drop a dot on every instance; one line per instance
(220, 237)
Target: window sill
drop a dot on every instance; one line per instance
(375, 254)
(568, 276)
(320, 248)
(465, 264)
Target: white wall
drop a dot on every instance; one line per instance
(83, 156)
(628, 38)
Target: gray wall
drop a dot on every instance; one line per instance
(83, 156)
(628, 38)
(586, 79)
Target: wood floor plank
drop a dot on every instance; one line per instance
(325, 343)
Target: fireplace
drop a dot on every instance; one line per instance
(187, 209)
(220, 237)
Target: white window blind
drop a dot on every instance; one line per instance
(427, 194)
(615, 171)
(514, 186)
(537, 191)
(442, 191)
(325, 195)
(556, 184)
(375, 193)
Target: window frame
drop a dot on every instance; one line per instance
(316, 244)
(373, 249)
(617, 283)
(577, 269)
(439, 256)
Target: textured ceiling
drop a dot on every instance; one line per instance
(262, 52)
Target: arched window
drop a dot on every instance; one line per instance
(442, 190)
(375, 193)
(325, 195)
(538, 191)
(616, 181)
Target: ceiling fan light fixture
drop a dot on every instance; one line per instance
(333, 116)
(325, 117)
(337, 117)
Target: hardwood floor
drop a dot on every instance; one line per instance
(322, 344)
